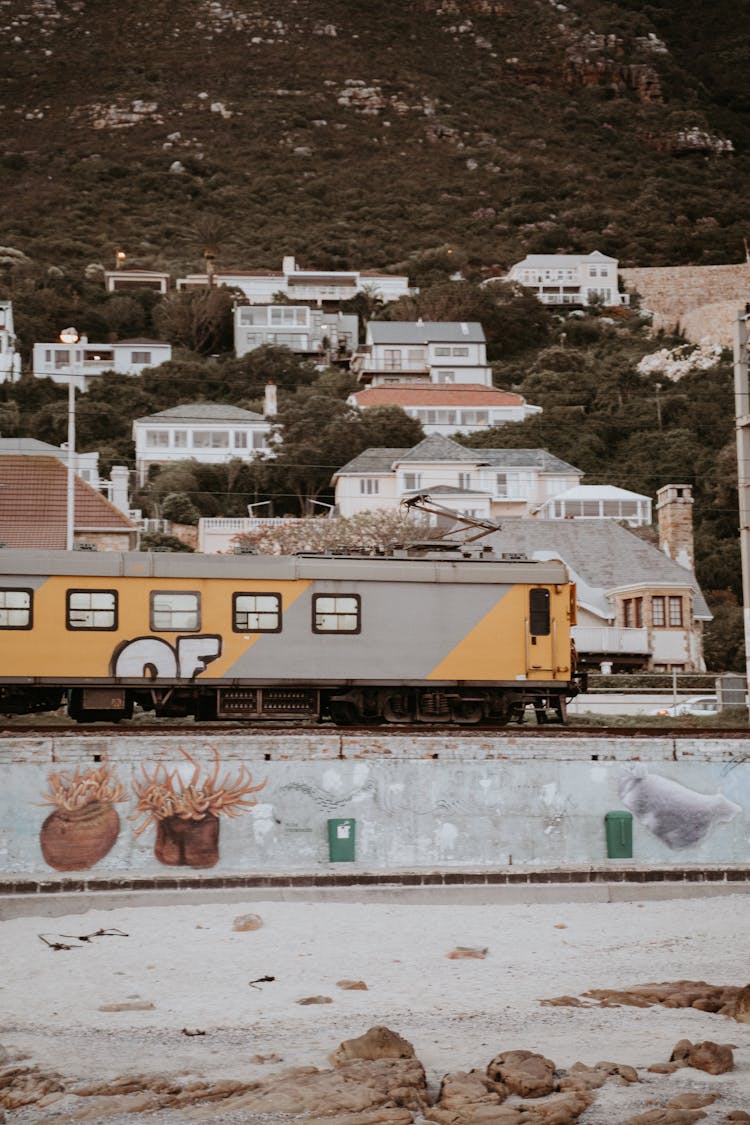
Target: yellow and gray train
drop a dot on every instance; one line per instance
(446, 637)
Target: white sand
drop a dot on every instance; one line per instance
(458, 1014)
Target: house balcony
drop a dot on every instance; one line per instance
(610, 641)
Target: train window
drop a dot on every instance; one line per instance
(256, 613)
(91, 609)
(337, 613)
(15, 608)
(175, 611)
(539, 612)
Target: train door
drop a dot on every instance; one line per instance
(541, 659)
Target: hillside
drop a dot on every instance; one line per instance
(362, 134)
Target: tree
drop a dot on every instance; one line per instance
(198, 319)
(390, 427)
(318, 435)
(179, 508)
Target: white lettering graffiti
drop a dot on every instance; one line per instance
(156, 659)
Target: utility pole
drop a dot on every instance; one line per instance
(742, 422)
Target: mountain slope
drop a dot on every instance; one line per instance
(358, 134)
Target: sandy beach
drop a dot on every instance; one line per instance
(195, 969)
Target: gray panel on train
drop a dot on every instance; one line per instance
(407, 629)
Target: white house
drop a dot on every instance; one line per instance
(487, 483)
(443, 409)
(126, 280)
(326, 337)
(203, 431)
(411, 352)
(10, 359)
(82, 363)
(325, 288)
(569, 279)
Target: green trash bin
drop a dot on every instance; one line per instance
(341, 840)
(619, 829)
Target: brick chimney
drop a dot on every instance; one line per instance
(674, 504)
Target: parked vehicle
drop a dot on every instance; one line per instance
(698, 705)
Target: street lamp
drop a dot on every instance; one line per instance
(742, 423)
(70, 336)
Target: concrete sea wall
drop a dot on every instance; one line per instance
(475, 800)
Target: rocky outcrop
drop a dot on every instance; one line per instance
(719, 998)
(376, 1079)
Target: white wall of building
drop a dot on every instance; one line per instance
(84, 362)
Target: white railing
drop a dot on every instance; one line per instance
(592, 639)
(365, 363)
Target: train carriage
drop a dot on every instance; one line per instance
(454, 637)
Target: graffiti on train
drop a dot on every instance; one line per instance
(154, 658)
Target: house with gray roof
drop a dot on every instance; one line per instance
(570, 279)
(486, 483)
(414, 352)
(636, 607)
(202, 431)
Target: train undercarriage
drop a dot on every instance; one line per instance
(345, 705)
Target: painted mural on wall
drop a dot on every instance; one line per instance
(186, 811)
(85, 824)
(678, 816)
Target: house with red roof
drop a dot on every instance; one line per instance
(34, 509)
(444, 409)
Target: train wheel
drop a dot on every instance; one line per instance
(344, 713)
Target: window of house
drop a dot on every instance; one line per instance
(140, 357)
(392, 359)
(240, 439)
(180, 439)
(256, 613)
(501, 484)
(157, 439)
(442, 350)
(415, 357)
(475, 417)
(293, 340)
(288, 315)
(638, 613)
(461, 351)
(539, 616)
(337, 613)
(412, 481)
(15, 608)
(259, 439)
(464, 480)
(174, 611)
(658, 618)
(210, 439)
(627, 613)
(446, 376)
(62, 357)
(675, 612)
(99, 357)
(91, 609)
(369, 486)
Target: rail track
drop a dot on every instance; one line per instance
(509, 733)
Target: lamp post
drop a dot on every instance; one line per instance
(70, 336)
(742, 422)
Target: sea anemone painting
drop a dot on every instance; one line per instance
(186, 813)
(84, 826)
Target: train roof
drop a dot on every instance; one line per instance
(445, 568)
